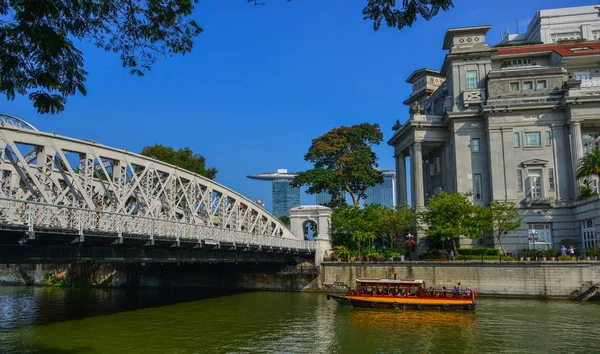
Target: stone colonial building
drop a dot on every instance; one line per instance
(506, 124)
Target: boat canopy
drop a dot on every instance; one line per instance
(390, 281)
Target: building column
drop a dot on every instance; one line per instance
(412, 176)
(418, 173)
(576, 152)
(401, 197)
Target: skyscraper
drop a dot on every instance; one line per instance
(323, 198)
(383, 194)
(285, 197)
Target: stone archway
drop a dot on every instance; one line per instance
(321, 216)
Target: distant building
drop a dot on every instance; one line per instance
(285, 197)
(323, 198)
(383, 194)
(551, 26)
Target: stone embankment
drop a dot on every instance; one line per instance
(539, 279)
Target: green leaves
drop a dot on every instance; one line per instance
(184, 158)
(38, 57)
(504, 217)
(589, 165)
(452, 215)
(403, 15)
(343, 163)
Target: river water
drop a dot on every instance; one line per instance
(53, 320)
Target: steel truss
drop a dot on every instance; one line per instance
(47, 180)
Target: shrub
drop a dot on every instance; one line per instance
(516, 44)
(394, 252)
(479, 252)
(432, 254)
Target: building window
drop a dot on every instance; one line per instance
(517, 140)
(582, 75)
(475, 145)
(477, 189)
(548, 138)
(519, 180)
(542, 84)
(528, 85)
(551, 178)
(472, 79)
(514, 86)
(541, 235)
(534, 184)
(533, 139)
(588, 233)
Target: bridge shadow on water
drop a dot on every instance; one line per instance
(22, 307)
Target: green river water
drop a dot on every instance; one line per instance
(52, 320)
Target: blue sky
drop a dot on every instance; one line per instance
(263, 81)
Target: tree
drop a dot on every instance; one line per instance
(346, 221)
(285, 220)
(589, 165)
(452, 215)
(343, 162)
(184, 158)
(38, 56)
(395, 223)
(504, 218)
(400, 16)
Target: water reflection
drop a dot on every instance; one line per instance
(45, 320)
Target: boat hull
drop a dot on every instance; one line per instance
(405, 303)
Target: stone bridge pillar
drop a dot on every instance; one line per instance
(321, 216)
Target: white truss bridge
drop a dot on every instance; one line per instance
(52, 183)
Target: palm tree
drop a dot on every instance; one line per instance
(589, 165)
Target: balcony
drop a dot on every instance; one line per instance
(473, 96)
(590, 83)
(583, 88)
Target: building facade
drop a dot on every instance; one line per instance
(552, 26)
(383, 194)
(285, 197)
(506, 124)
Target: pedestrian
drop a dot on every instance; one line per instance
(563, 251)
(452, 255)
(572, 251)
(458, 288)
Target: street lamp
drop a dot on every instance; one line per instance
(533, 237)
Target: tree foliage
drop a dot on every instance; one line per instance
(589, 164)
(452, 215)
(343, 163)
(184, 158)
(357, 229)
(395, 224)
(38, 56)
(400, 14)
(285, 220)
(504, 218)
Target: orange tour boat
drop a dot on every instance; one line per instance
(404, 295)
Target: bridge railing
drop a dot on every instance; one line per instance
(66, 219)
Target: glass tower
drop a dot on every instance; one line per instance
(285, 197)
(323, 198)
(382, 194)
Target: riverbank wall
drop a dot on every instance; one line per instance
(519, 279)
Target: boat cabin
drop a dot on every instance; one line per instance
(390, 287)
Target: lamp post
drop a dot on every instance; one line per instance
(533, 237)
